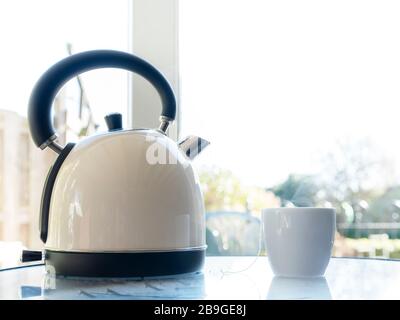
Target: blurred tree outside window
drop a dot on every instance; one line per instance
(356, 180)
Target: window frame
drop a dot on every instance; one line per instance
(153, 35)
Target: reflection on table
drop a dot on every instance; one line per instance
(299, 288)
(222, 278)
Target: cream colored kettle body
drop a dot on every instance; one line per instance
(114, 192)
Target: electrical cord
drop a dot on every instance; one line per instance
(261, 233)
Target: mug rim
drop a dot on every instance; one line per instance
(304, 209)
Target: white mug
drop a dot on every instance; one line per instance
(299, 241)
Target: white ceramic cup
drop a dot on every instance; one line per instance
(299, 241)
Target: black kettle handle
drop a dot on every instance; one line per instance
(45, 90)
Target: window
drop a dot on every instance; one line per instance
(300, 101)
(36, 34)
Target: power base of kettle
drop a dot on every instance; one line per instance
(126, 203)
(118, 264)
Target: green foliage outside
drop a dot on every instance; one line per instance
(222, 190)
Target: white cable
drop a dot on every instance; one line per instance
(258, 254)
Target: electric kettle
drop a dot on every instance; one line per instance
(125, 203)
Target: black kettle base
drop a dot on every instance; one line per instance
(123, 264)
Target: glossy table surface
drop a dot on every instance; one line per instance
(222, 278)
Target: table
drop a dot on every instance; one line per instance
(222, 278)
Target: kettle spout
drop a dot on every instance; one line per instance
(192, 146)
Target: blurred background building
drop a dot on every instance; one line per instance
(23, 170)
(24, 167)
